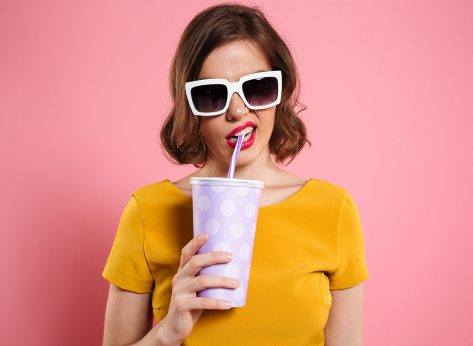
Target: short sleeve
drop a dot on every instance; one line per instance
(127, 266)
(351, 269)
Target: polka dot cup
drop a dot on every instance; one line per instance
(227, 209)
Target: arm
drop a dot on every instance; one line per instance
(129, 319)
(345, 322)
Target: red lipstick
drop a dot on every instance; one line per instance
(244, 145)
(240, 128)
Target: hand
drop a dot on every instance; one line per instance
(186, 308)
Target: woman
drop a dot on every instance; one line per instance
(308, 260)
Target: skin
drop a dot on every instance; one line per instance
(128, 318)
(232, 61)
(345, 323)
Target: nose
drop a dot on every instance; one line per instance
(237, 108)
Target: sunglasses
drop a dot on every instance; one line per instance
(259, 90)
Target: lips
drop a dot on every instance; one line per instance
(244, 145)
(240, 128)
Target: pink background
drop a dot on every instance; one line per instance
(83, 92)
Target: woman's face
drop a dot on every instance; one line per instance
(232, 61)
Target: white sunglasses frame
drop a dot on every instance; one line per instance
(234, 87)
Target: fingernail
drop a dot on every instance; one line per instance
(202, 236)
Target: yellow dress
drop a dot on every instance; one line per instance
(305, 246)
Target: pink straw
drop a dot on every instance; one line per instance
(236, 151)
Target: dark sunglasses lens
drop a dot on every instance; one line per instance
(209, 98)
(261, 92)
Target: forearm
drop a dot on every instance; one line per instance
(158, 336)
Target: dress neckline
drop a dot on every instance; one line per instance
(294, 195)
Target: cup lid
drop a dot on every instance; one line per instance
(227, 181)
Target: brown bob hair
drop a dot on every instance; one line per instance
(180, 133)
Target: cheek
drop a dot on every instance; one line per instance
(210, 131)
(267, 120)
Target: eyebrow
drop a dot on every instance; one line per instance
(240, 77)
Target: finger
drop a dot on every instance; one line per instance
(205, 281)
(193, 303)
(191, 248)
(197, 262)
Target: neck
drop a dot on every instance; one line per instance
(262, 168)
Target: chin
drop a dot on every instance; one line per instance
(248, 156)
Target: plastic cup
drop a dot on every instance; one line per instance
(227, 209)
